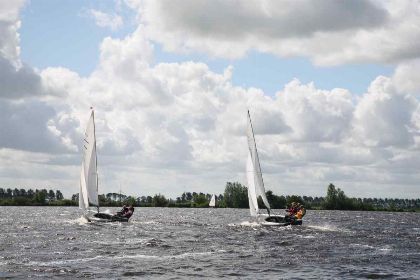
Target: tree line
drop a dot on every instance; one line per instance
(23, 197)
(234, 196)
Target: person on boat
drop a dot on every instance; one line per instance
(122, 211)
(129, 212)
(292, 210)
(301, 211)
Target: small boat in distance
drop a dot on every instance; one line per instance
(88, 191)
(212, 201)
(256, 186)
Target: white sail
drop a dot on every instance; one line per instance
(212, 201)
(88, 193)
(254, 174)
(252, 196)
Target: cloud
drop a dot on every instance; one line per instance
(27, 125)
(316, 115)
(169, 121)
(405, 77)
(102, 19)
(328, 32)
(18, 82)
(174, 127)
(9, 24)
(384, 118)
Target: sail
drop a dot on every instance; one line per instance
(252, 196)
(254, 166)
(88, 195)
(212, 201)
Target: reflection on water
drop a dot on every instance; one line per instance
(184, 243)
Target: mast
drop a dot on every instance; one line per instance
(120, 194)
(96, 156)
(256, 154)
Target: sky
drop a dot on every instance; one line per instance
(332, 89)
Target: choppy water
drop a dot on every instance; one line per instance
(168, 243)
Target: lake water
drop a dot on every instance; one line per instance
(170, 243)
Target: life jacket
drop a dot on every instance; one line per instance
(299, 215)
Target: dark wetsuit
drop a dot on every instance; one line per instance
(128, 213)
(122, 211)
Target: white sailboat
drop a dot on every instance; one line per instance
(212, 201)
(88, 191)
(256, 184)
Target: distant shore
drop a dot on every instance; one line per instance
(71, 203)
(234, 196)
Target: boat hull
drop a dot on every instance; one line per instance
(105, 218)
(110, 217)
(277, 220)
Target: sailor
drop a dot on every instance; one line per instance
(292, 210)
(129, 212)
(122, 211)
(301, 211)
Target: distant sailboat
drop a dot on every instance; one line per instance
(256, 184)
(88, 191)
(212, 201)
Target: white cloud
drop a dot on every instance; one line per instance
(406, 77)
(329, 32)
(102, 19)
(316, 115)
(174, 127)
(9, 24)
(384, 118)
(25, 115)
(189, 122)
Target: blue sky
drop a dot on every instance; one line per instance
(59, 33)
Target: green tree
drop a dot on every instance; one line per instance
(59, 195)
(294, 198)
(159, 200)
(130, 201)
(51, 195)
(337, 200)
(40, 197)
(235, 196)
(276, 202)
(200, 200)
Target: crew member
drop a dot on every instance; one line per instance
(129, 212)
(301, 211)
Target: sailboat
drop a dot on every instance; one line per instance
(256, 186)
(212, 201)
(88, 191)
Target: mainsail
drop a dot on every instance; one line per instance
(212, 201)
(88, 192)
(254, 174)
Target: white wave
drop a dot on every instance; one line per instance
(366, 246)
(180, 256)
(386, 249)
(138, 256)
(328, 227)
(245, 224)
(306, 236)
(143, 222)
(79, 221)
(62, 262)
(127, 241)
